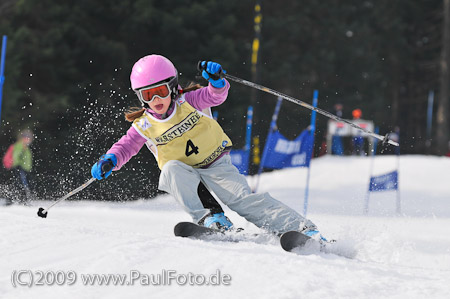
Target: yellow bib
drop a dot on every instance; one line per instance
(187, 135)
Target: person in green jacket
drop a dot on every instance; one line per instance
(22, 162)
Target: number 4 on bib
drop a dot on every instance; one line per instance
(191, 148)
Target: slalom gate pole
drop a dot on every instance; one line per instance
(43, 212)
(248, 137)
(222, 74)
(308, 175)
(372, 162)
(2, 71)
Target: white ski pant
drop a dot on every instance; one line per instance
(181, 181)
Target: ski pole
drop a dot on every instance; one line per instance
(222, 74)
(43, 212)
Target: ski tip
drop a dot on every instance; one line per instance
(293, 239)
(183, 229)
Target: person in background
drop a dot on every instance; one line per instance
(358, 141)
(337, 147)
(19, 159)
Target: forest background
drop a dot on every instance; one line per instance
(68, 65)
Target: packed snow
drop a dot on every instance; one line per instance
(379, 255)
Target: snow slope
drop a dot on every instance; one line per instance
(380, 255)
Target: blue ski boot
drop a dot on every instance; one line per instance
(217, 221)
(314, 233)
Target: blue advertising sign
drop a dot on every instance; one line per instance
(384, 182)
(282, 152)
(240, 159)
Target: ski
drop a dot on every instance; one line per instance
(293, 239)
(289, 240)
(190, 229)
(195, 231)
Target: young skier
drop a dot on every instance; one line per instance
(192, 150)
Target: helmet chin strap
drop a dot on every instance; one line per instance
(164, 115)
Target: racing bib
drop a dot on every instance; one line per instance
(187, 135)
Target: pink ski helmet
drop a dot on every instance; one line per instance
(153, 69)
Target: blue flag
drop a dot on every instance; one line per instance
(240, 159)
(282, 152)
(384, 182)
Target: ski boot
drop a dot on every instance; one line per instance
(217, 221)
(315, 234)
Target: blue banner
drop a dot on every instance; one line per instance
(282, 152)
(240, 159)
(384, 182)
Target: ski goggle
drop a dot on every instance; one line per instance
(148, 94)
